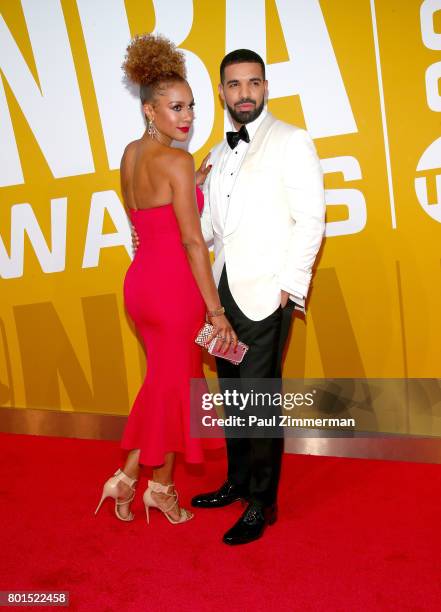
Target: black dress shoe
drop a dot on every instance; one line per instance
(224, 496)
(251, 524)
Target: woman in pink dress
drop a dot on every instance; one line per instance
(169, 287)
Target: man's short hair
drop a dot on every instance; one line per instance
(241, 56)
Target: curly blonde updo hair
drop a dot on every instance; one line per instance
(152, 61)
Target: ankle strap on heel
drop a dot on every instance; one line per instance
(157, 487)
(120, 475)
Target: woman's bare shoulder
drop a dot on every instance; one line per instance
(129, 152)
(176, 154)
(179, 162)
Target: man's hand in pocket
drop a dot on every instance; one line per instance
(284, 297)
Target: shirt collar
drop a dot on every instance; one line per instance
(253, 126)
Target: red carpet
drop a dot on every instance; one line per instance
(352, 535)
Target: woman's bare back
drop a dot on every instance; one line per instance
(144, 178)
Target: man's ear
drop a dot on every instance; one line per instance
(221, 92)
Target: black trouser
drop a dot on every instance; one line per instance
(254, 463)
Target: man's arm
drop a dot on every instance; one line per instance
(303, 180)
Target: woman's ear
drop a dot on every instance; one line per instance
(148, 111)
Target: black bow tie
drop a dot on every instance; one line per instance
(234, 137)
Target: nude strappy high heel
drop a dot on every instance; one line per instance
(110, 489)
(149, 502)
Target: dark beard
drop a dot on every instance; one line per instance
(245, 117)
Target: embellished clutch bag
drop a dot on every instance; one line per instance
(233, 354)
(203, 335)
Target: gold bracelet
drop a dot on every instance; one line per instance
(216, 313)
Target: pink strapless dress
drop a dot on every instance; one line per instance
(164, 302)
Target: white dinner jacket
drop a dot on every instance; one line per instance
(275, 219)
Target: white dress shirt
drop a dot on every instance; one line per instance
(232, 161)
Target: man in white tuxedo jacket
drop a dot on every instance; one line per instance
(264, 211)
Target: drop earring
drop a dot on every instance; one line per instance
(152, 130)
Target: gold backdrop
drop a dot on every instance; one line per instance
(362, 77)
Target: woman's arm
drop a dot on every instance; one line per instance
(182, 181)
